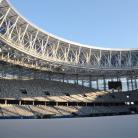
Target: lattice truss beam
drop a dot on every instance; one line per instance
(34, 47)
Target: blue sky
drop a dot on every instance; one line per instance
(103, 23)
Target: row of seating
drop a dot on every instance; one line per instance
(16, 110)
(37, 88)
(44, 90)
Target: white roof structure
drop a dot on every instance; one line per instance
(27, 45)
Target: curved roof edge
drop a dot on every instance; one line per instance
(65, 40)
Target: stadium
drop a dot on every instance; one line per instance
(45, 76)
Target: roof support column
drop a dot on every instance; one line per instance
(67, 80)
(77, 79)
(104, 82)
(127, 84)
(90, 81)
(6, 101)
(82, 82)
(97, 84)
(20, 102)
(63, 77)
(132, 83)
(136, 86)
(119, 90)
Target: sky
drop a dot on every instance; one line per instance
(102, 23)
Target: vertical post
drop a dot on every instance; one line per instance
(127, 85)
(135, 84)
(90, 78)
(132, 84)
(74, 80)
(82, 83)
(121, 82)
(63, 77)
(77, 79)
(97, 84)
(118, 79)
(67, 80)
(104, 83)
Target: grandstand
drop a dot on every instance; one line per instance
(45, 76)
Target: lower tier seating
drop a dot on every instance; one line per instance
(61, 111)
